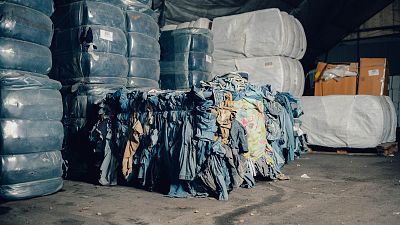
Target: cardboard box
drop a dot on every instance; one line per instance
(342, 86)
(374, 77)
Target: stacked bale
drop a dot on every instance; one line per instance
(89, 53)
(186, 56)
(267, 43)
(143, 47)
(31, 133)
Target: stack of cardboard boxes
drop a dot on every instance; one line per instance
(370, 77)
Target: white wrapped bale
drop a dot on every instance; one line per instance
(349, 121)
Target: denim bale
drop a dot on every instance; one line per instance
(142, 23)
(101, 38)
(28, 136)
(31, 104)
(143, 46)
(144, 68)
(17, 80)
(26, 56)
(188, 61)
(30, 167)
(25, 24)
(186, 40)
(84, 64)
(137, 82)
(183, 80)
(88, 13)
(140, 7)
(31, 189)
(44, 6)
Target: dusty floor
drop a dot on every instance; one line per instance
(340, 190)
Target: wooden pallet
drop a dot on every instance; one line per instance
(387, 149)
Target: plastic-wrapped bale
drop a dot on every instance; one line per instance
(31, 135)
(82, 13)
(243, 35)
(143, 49)
(282, 73)
(86, 48)
(186, 57)
(81, 113)
(44, 6)
(349, 121)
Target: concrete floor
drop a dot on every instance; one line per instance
(340, 190)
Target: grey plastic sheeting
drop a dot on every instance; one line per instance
(25, 24)
(26, 56)
(44, 6)
(144, 68)
(27, 136)
(142, 23)
(359, 121)
(73, 65)
(31, 189)
(101, 38)
(143, 46)
(88, 13)
(30, 167)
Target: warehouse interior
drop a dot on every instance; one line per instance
(199, 112)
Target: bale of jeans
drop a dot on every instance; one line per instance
(93, 38)
(349, 121)
(142, 23)
(243, 35)
(282, 73)
(137, 82)
(143, 46)
(75, 65)
(44, 6)
(186, 57)
(25, 24)
(81, 13)
(26, 56)
(144, 68)
(199, 142)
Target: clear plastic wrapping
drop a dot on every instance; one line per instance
(93, 38)
(88, 13)
(185, 40)
(18, 80)
(142, 23)
(178, 62)
(31, 104)
(144, 68)
(30, 167)
(85, 64)
(143, 46)
(44, 6)
(183, 80)
(26, 56)
(28, 136)
(22, 23)
(31, 189)
(137, 82)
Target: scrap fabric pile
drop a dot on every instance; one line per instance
(208, 141)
